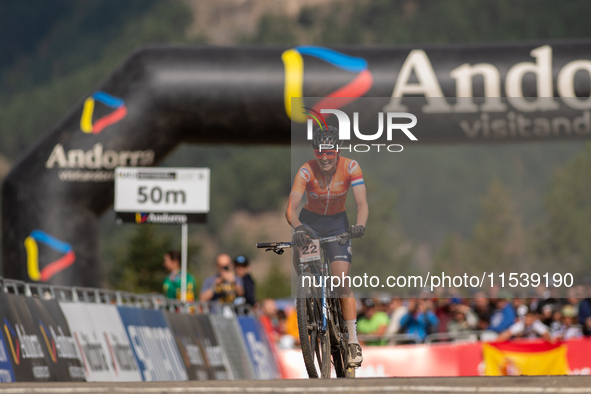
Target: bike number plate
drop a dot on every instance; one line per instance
(310, 252)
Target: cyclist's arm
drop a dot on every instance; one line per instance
(359, 192)
(295, 198)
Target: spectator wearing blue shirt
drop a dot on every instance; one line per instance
(420, 319)
(503, 317)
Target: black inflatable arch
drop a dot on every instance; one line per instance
(162, 96)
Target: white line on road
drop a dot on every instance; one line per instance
(332, 389)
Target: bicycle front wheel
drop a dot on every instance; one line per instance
(314, 342)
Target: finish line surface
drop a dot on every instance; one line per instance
(518, 384)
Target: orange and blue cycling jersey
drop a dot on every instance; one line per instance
(323, 198)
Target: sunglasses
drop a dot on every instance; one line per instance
(330, 154)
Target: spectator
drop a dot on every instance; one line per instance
(291, 324)
(587, 327)
(419, 320)
(443, 312)
(463, 318)
(519, 307)
(224, 286)
(397, 309)
(373, 322)
(529, 327)
(556, 323)
(567, 330)
(544, 298)
(241, 265)
(269, 319)
(483, 308)
(547, 314)
(172, 283)
(584, 311)
(503, 317)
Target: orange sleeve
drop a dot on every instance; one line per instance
(302, 178)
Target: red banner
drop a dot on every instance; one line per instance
(460, 359)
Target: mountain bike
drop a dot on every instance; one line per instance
(322, 329)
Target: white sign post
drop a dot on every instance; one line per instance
(163, 196)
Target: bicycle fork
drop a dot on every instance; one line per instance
(324, 327)
(324, 298)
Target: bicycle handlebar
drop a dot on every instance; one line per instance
(275, 246)
(269, 244)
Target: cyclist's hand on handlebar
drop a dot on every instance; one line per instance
(357, 231)
(300, 236)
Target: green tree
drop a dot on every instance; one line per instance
(139, 266)
(275, 285)
(383, 250)
(498, 240)
(563, 238)
(451, 256)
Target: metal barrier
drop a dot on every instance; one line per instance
(228, 336)
(462, 336)
(400, 339)
(394, 339)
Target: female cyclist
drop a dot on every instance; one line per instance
(326, 181)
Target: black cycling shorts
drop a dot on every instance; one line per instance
(326, 226)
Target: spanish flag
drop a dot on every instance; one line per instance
(523, 358)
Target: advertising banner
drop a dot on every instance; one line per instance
(102, 342)
(23, 344)
(190, 344)
(6, 372)
(230, 337)
(65, 363)
(153, 344)
(218, 362)
(258, 348)
(463, 359)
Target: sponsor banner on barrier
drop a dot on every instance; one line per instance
(460, 359)
(258, 348)
(23, 344)
(6, 372)
(190, 344)
(153, 344)
(102, 342)
(402, 361)
(216, 358)
(230, 338)
(65, 362)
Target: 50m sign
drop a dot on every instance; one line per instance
(161, 195)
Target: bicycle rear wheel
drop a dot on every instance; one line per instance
(314, 343)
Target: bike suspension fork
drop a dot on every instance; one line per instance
(323, 272)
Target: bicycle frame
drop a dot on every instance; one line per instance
(324, 272)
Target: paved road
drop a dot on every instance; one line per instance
(521, 385)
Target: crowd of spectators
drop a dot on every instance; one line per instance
(384, 320)
(544, 315)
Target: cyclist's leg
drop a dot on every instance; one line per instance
(341, 270)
